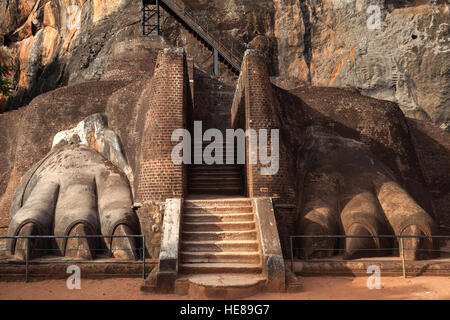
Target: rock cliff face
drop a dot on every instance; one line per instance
(58, 42)
(392, 50)
(396, 50)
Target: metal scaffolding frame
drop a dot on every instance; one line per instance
(153, 22)
(152, 18)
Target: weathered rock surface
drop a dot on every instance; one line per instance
(416, 152)
(55, 43)
(379, 125)
(336, 43)
(74, 190)
(27, 133)
(433, 149)
(325, 43)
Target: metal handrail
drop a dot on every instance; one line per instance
(401, 249)
(28, 238)
(233, 56)
(369, 236)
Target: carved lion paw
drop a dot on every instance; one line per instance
(346, 190)
(74, 191)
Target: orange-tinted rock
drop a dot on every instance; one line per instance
(49, 16)
(325, 43)
(49, 44)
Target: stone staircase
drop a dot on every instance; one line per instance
(219, 236)
(220, 251)
(219, 245)
(216, 238)
(216, 179)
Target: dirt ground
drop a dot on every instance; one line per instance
(313, 288)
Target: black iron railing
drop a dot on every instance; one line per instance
(27, 261)
(202, 28)
(401, 249)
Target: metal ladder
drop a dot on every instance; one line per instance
(153, 22)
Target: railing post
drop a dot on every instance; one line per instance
(403, 257)
(186, 14)
(292, 254)
(143, 256)
(143, 17)
(216, 62)
(157, 19)
(304, 250)
(27, 250)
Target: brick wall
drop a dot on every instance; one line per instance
(166, 108)
(213, 99)
(254, 107)
(191, 71)
(255, 89)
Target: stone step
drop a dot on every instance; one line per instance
(216, 180)
(218, 226)
(220, 286)
(220, 257)
(216, 167)
(217, 155)
(207, 143)
(201, 151)
(207, 184)
(203, 147)
(226, 190)
(218, 246)
(216, 192)
(219, 235)
(205, 210)
(197, 268)
(198, 150)
(214, 177)
(222, 203)
(234, 165)
(207, 173)
(218, 217)
(218, 160)
(212, 171)
(225, 159)
(215, 185)
(204, 143)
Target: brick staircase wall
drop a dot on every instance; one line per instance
(167, 107)
(213, 99)
(254, 107)
(257, 112)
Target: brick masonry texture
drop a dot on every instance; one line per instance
(167, 103)
(213, 99)
(253, 108)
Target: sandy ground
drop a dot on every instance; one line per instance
(313, 288)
